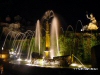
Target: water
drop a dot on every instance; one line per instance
(20, 46)
(6, 39)
(15, 40)
(37, 36)
(70, 26)
(79, 21)
(79, 61)
(71, 29)
(29, 48)
(54, 49)
(62, 30)
(19, 41)
(24, 40)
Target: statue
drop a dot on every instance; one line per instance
(93, 23)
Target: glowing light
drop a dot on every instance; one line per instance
(26, 60)
(19, 59)
(51, 53)
(79, 65)
(47, 35)
(46, 53)
(2, 48)
(3, 56)
(29, 61)
(74, 64)
(29, 64)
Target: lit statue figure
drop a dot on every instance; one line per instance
(93, 24)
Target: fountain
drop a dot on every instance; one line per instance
(37, 37)
(44, 55)
(54, 37)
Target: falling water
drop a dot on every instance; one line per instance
(30, 44)
(80, 24)
(54, 38)
(70, 27)
(79, 61)
(29, 48)
(62, 30)
(19, 48)
(24, 39)
(71, 51)
(19, 42)
(6, 39)
(37, 36)
(14, 41)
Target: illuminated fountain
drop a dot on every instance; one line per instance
(46, 52)
(54, 38)
(38, 37)
(51, 54)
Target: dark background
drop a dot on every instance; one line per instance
(70, 10)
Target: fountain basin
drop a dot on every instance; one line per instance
(20, 69)
(63, 60)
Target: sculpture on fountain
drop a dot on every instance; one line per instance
(92, 25)
(46, 20)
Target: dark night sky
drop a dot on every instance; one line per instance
(70, 10)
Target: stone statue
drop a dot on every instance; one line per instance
(93, 23)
